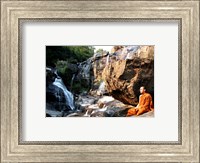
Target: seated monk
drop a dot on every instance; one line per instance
(145, 103)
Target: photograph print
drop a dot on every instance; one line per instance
(100, 81)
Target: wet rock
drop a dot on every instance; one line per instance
(50, 76)
(98, 114)
(110, 112)
(53, 113)
(83, 80)
(106, 99)
(148, 114)
(55, 98)
(107, 106)
(115, 111)
(85, 101)
(76, 114)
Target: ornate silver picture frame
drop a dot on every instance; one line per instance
(14, 13)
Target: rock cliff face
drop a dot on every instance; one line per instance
(130, 68)
(83, 80)
(98, 64)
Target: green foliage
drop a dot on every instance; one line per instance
(72, 54)
(78, 87)
(61, 67)
(66, 70)
(53, 54)
(99, 51)
(65, 59)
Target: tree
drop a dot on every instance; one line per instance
(72, 54)
(99, 51)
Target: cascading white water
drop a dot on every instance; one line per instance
(85, 68)
(131, 50)
(86, 71)
(102, 87)
(107, 59)
(68, 95)
(72, 81)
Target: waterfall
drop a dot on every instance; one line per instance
(72, 80)
(102, 87)
(131, 50)
(85, 68)
(68, 95)
(107, 59)
(84, 71)
(101, 90)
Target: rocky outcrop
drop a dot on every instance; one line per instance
(83, 80)
(131, 68)
(98, 64)
(104, 106)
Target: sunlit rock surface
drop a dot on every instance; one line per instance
(124, 77)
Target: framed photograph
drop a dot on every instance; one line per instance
(99, 81)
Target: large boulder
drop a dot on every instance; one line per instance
(124, 76)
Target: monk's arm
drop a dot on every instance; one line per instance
(147, 103)
(145, 107)
(138, 102)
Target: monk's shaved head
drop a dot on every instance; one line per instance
(142, 89)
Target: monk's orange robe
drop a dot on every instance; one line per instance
(145, 105)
